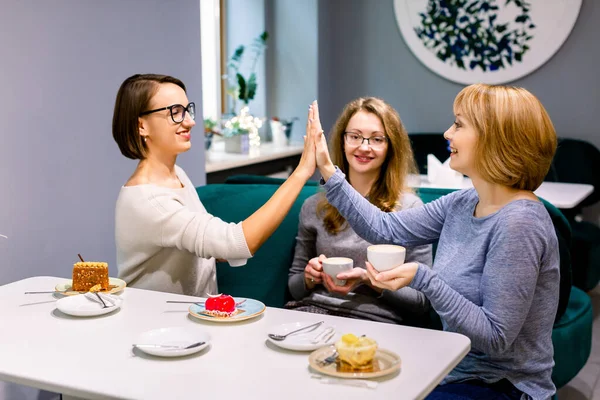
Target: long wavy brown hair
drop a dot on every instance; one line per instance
(399, 160)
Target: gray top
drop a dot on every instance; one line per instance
(495, 279)
(363, 302)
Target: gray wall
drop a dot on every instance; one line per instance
(292, 60)
(60, 170)
(361, 52)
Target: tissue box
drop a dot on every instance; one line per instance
(442, 175)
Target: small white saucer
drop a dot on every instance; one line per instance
(81, 306)
(174, 336)
(301, 341)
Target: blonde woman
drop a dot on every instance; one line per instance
(165, 239)
(496, 272)
(371, 146)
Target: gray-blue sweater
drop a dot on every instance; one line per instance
(494, 279)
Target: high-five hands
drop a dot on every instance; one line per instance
(326, 167)
(307, 165)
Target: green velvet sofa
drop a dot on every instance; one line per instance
(265, 276)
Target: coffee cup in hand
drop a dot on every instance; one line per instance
(385, 256)
(335, 265)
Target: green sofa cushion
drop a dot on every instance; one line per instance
(265, 275)
(259, 179)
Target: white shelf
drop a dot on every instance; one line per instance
(218, 160)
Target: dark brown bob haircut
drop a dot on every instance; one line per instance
(133, 98)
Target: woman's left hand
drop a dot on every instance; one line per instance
(353, 278)
(308, 162)
(392, 279)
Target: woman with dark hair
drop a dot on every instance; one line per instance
(165, 239)
(370, 145)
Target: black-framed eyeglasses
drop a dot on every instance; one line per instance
(177, 112)
(356, 139)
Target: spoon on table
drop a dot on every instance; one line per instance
(282, 337)
(168, 346)
(103, 303)
(55, 291)
(202, 302)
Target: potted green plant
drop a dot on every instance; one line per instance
(210, 129)
(241, 131)
(239, 87)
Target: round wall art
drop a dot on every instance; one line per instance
(489, 41)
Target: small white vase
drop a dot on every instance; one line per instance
(237, 144)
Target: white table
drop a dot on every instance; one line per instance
(561, 195)
(92, 357)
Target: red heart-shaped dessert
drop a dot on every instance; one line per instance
(223, 303)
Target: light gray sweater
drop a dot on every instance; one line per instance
(495, 279)
(166, 239)
(363, 302)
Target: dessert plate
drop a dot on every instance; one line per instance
(67, 288)
(248, 309)
(173, 336)
(304, 340)
(385, 362)
(82, 306)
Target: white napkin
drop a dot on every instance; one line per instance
(441, 174)
(109, 299)
(348, 382)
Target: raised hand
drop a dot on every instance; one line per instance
(307, 165)
(326, 167)
(394, 278)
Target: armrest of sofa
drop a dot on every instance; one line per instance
(260, 179)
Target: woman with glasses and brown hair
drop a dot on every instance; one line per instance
(371, 146)
(165, 239)
(496, 272)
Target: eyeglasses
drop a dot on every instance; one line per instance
(356, 139)
(177, 112)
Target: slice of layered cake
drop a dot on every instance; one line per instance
(88, 274)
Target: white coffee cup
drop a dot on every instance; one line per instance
(335, 265)
(385, 256)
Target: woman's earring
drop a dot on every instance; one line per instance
(145, 139)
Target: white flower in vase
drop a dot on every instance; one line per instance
(242, 124)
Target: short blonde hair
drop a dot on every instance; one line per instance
(516, 138)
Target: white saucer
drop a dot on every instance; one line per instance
(81, 306)
(177, 336)
(301, 341)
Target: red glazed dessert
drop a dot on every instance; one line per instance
(220, 306)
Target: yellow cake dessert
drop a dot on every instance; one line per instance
(356, 353)
(89, 274)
